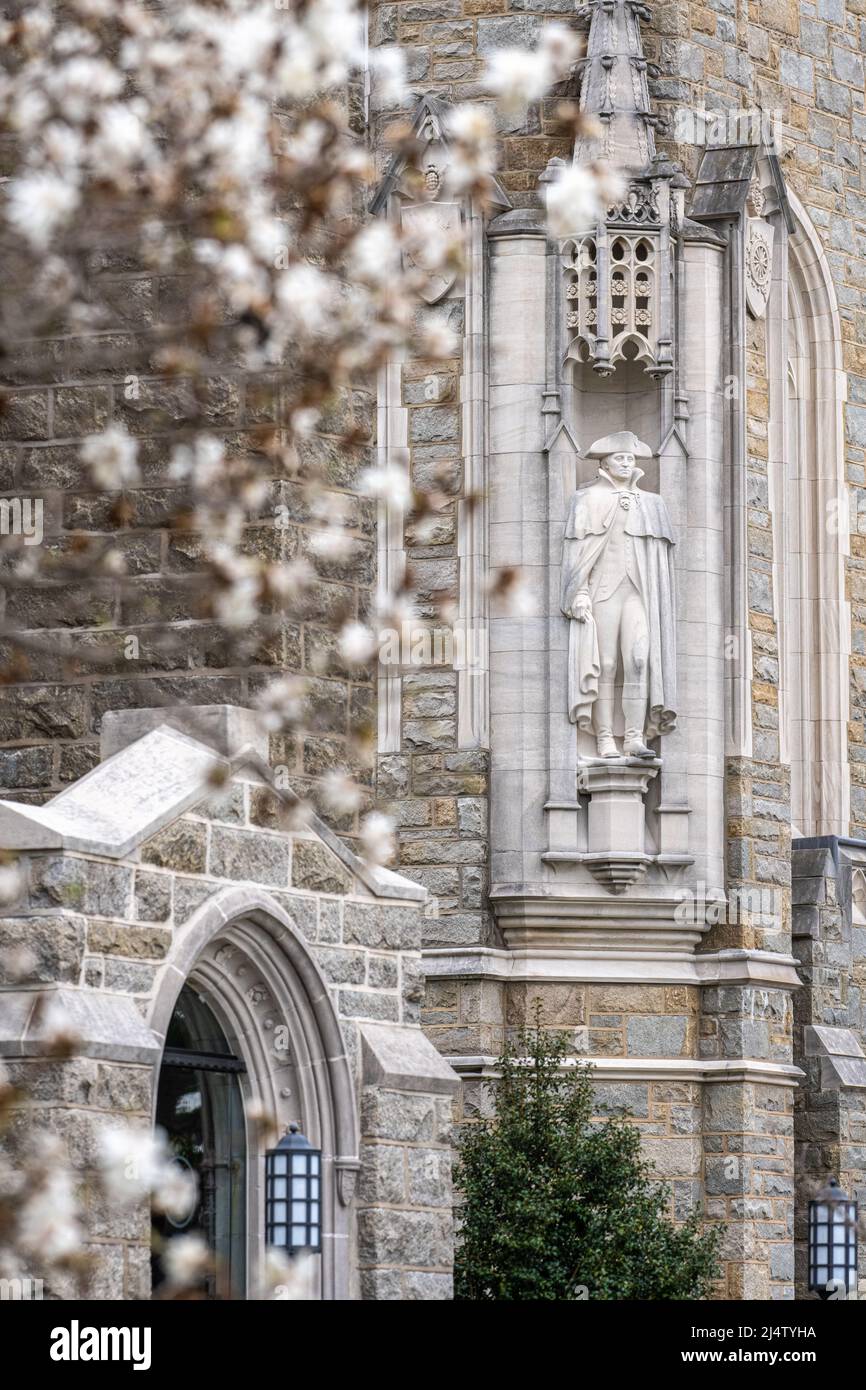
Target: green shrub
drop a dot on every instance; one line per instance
(556, 1207)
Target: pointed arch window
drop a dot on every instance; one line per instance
(810, 534)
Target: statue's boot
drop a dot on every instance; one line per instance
(633, 745)
(606, 746)
(634, 711)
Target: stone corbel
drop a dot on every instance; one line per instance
(616, 822)
(347, 1178)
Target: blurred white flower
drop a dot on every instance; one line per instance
(520, 601)
(390, 483)
(16, 962)
(137, 1163)
(112, 458)
(388, 66)
(437, 339)
(307, 297)
(332, 543)
(39, 204)
(57, 1028)
(289, 582)
(375, 253)
(473, 146)
(130, 1162)
(573, 201)
(377, 838)
(289, 1280)
(517, 77)
(49, 1227)
(236, 604)
(186, 1260)
(340, 795)
(304, 421)
(175, 1191)
(357, 644)
(11, 884)
(281, 703)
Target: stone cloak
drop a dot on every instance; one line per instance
(587, 531)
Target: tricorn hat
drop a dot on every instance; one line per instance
(623, 442)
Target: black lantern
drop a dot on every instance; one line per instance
(293, 1194)
(832, 1243)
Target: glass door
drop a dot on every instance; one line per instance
(200, 1107)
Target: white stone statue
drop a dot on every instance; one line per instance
(618, 591)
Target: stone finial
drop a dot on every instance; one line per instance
(614, 88)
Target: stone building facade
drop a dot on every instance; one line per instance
(701, 940)
(708, 1006)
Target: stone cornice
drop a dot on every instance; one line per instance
(643, 1069)
(763, 969)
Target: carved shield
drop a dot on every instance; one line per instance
(759, 265)
(434, 220)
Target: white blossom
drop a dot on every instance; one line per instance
(517, 77)
(137, 1163)
(390, 483)
(186, 1260)
(281, 703)
(112, 458)
(388, 65)
(49, 1226)
(473, 146)
(288, 1280)
(375, 253)
(332, 542)
(377, 838)
(340, 794)
(437, 339)
(573, 202)
(39, 204)
(357, 644)
(17, 962)
(307, 297)
(11, 884)
(57, 1028)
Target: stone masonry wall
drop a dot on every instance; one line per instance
(56, 391)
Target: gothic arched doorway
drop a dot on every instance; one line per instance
(248, 1025)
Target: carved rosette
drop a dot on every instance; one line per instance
(758, 265)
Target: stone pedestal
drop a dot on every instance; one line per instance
(616, 821)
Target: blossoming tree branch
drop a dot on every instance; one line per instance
(218, 147)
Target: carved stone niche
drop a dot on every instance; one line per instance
(616, 821)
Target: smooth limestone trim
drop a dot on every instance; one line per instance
(763, 969)
(706, 1071)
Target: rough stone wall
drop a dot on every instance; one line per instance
(50, 717)
(58, 390)
(405, 1236)
(446, 44)
(74, 1100)
(472, 1019)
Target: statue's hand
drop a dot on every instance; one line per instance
(582, 607)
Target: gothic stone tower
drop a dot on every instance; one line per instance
(704, 322)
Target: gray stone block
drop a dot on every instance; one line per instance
(656, 1036)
